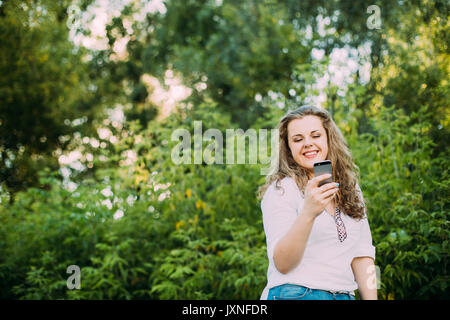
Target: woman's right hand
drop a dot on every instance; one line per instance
(317, 198)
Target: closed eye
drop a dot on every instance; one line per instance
(299, 139)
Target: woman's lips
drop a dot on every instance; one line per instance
(311, 154)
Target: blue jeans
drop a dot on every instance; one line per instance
(296, 292)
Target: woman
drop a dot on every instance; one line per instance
(319, 243)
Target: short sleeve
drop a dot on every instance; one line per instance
(364, 247)
(279, 208)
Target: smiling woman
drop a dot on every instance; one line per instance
(319, 243)
(309, 129)
(307, 139)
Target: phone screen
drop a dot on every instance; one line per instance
(323, 167)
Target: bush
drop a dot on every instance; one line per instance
(407, 194)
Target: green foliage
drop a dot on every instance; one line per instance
(43, 88)
(407, 195)
(179, 247)
(141, 227)
(204, 239)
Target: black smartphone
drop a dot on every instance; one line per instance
(323, 167)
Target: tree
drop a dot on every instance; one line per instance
(46, 91)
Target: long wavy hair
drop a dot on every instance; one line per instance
(345, 171)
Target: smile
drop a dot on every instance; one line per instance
(311, 154)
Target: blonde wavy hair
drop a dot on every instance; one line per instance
(345, 172)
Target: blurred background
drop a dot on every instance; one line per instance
(92, 90)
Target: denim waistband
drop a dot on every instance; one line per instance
(307, 292)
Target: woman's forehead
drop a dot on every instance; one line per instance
(305, 125)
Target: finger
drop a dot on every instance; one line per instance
(315, 181)
(328, 186)
(330, 193)
(331, 197)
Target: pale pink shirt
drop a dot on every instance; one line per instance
(326, 262)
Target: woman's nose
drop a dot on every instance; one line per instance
(308, 142)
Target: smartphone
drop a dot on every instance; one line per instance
(323, 167)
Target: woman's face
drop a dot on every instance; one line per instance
(307, 140)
